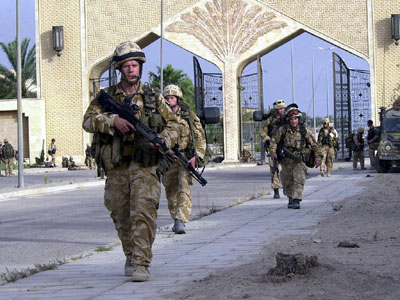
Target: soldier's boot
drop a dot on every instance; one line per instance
(128, 267)
(290, 204)
(328, 174)
(322, 174)
(276, 194)
(140, 273)
(363, 168)
(179, 227)
(296, 204)
(284, 191)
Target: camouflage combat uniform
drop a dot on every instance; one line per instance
(132, 189)
(8, 154)
(177, 180)
(293, 173)
(269, 127)
(327, 137)
(358, 149)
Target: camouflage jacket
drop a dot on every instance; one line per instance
(292, 140)
(270, 126)
(7, 151)
(327, 136)
(192, 137)
(97, 120)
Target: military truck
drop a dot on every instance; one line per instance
(388, 153)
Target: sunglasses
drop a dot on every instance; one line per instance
(293, 112)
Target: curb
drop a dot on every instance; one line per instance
(44, 190)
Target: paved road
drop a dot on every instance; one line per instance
(44, 228)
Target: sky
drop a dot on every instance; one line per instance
(277, 70)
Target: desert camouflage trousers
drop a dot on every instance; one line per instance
(358, 156)
(276, 181)
(293, 177)
(371, 149)
(327, 158)
(132, 194)
(8, 166)
(177, 183)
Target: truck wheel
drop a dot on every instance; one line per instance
(381, 166)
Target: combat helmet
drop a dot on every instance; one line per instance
(326, 120)
(360, 130)
(279, 104)
(173, 90)
(5, 141)
(126, 51)
(293, 112)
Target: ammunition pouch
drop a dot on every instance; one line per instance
(308, 156)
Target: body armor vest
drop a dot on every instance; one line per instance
(186, 114)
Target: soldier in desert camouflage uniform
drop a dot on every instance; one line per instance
(8, 155)
(295, 138)
(269, 127)
(192, 143)
(132, 189)
(327, 139)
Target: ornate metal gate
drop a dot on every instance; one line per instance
(249, 102)
(208, 93)
(352, 101)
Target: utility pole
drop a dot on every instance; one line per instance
(19, 105)
(161, 48)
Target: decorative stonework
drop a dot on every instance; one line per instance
(227, 27)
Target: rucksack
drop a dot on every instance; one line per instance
(349, 140)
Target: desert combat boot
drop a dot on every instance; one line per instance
(140, 274)
(128, 267)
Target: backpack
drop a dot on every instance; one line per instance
(349, 140)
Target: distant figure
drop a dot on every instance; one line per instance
(52, 151)
(72, 165)
(327, 140)
(373, 142)
(8, 155)
(358, 149)
(88, 158)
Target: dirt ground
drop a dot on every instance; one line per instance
(371, 220)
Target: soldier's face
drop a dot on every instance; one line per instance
(130, 71)
(294, 122)
(172, 100)
(281, 111)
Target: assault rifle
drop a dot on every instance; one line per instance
(282, 152)
(127, 110)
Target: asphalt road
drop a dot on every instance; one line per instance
(46, 228)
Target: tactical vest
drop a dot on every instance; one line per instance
(110, 151)
(186, 114)
(8, 151)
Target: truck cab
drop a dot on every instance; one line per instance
(388, 153)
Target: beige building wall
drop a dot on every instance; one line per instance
(243, 30)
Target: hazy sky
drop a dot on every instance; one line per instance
(277, 72)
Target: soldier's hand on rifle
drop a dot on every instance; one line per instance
(192, 161)
(274, 156)
(317, 163)
(123, 125)
(158, 146)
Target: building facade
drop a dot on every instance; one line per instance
(228, 33)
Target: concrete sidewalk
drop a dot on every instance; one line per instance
(225, 239)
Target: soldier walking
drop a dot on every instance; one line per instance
(358, 149)
(192, 143)
(132, 189)
(295, 138)
(327, 139)
(88, 157)
(269, 127)
(8, 155)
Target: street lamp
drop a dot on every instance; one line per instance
(327, 84)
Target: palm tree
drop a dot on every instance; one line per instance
(8, 78)
(177, 77)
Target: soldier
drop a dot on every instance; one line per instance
(373, 142)
(295, 137)
(192, 143)
(327, 139)
(88, 158)
(358, 149)
(52, 151)
(269, 127)
(132, 189)
(8, 155)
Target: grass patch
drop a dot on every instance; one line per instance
(337, 207)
